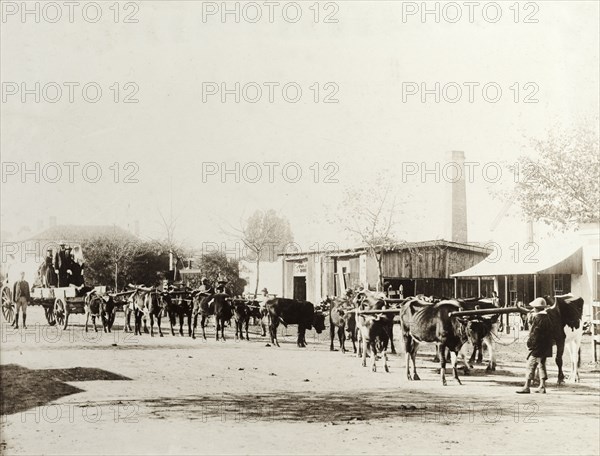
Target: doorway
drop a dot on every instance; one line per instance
(300, 288)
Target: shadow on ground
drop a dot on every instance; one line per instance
(22, 388)
(337, 408)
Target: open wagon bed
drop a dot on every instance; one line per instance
(58, 303)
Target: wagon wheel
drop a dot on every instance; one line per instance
(60, 312)
(49, 311)
(8, 308)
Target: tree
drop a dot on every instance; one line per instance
(122, 261)
(265, 234)
(175, 250)
(368, 213)
(217, 265)
(108, 259)
(149, 266)
(561, 185)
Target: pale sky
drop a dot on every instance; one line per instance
(367, 55)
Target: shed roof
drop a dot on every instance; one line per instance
(471, 247)
(550, 259)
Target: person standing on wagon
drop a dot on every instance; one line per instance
(22, 294)
(540, 346)
(61, 265)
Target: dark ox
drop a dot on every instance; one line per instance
(155, 305)
(292, 312)
(342, 318)
(567, 329)
(432, 323)
(179, 305)
(241, 318)
(206, 305)
(481, 329)
(102, 307)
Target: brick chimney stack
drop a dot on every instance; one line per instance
(455, 179)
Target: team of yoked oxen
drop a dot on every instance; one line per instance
(367, 317)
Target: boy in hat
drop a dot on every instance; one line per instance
(540, 346)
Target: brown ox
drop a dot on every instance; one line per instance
(342, 318)
(432, 323)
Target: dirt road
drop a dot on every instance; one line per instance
(68, 392)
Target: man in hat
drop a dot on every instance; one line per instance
(69, 265)
(21, 295)
(221, 284)
(264, 319)
(60, 265)
(206, 287)
(540, 346)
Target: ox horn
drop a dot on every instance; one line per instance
(523, 309)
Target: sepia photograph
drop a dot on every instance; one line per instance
(301, 227)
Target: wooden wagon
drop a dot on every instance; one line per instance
(58, 303)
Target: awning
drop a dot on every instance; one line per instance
(520, 259)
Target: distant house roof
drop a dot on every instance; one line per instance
(81, 233)
(473, 247)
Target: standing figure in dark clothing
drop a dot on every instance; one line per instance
(22, 295)
(61, 262)
(69, 264)
(50, 279)
(540, 346)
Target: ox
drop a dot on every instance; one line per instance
(179, 305)
(155, 304)
(342, 317)
(567, 329)
(145, 302)
(481, 330)
(292, 312)
(241, 317)
(206, 305)
(102, 307)
(373, 330)
(428, 322)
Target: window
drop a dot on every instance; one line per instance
(558, 285)
(512, 289)
(597, 282)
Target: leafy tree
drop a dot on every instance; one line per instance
(121, 261)
(561, 185)
(265, 234)
(149, 266)
(107, 260)
(216, 266)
